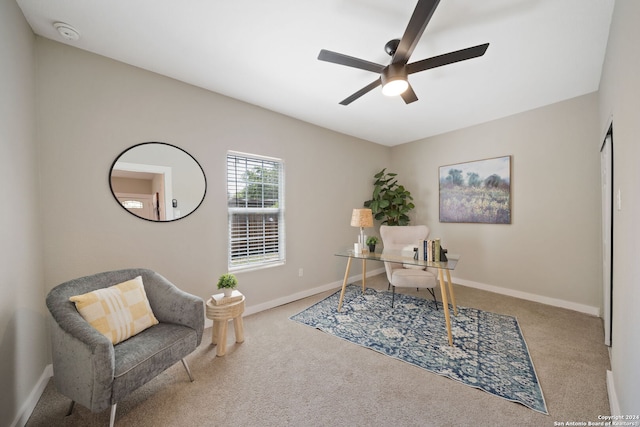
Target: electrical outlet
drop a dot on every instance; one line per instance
(300, 272)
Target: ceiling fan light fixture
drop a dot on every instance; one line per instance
(395, 87)
(394, 80)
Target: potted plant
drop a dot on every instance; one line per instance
(371, 242)
(391, 202)
(227, 282)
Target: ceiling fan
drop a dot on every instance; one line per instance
(394, 77)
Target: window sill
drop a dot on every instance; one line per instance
(255, 267)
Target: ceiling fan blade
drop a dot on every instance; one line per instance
(368, 88)
(409, 95)
(421, 16)
(447, 58)
(349, 61)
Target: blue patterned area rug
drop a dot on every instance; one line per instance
(489, 351)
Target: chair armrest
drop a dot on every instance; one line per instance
(83, 362)
(172, 305)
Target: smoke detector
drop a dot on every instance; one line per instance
(67, 31)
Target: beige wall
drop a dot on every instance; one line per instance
(552, 247)
(620, 101)
(109, 106)
(91, 108)
(23, 320)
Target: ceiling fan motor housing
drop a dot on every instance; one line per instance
(391, 46)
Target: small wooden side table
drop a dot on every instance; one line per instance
(221, 314)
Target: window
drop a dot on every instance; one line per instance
(255, 201)
(133, 204)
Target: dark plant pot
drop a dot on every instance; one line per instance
(372, 248)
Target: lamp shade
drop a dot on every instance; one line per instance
(362, 218)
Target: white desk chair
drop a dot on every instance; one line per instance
(407, 276)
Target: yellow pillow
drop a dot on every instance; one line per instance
(118, 312)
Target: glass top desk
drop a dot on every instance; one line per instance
(398, 256)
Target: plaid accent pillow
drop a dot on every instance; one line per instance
(117, 312)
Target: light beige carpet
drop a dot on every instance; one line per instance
(287, 374)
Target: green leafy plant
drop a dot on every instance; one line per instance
(391, 202)
(372, 240)
(227, 281)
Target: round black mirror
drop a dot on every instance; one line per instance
(157, 181)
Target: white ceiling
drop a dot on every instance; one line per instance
(265, 53)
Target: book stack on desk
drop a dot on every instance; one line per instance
(220, 299)
(429, 250)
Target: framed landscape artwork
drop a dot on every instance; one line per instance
(476, 192)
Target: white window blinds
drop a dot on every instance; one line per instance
(255, 202)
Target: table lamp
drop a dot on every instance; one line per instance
(362, 218)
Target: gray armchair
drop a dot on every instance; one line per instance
(90, 370)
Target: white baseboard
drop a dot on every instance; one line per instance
(614, 406)
(306, 293)
(582, 308)
(252, 309)
(29, 405)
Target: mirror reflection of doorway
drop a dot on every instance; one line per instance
(138, 204)
(146, 184)
(165, 171)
